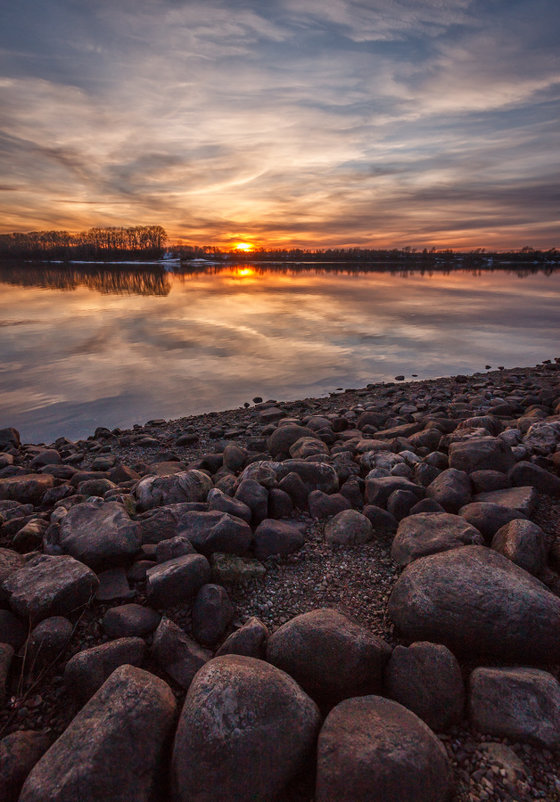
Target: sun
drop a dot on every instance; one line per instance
(246, 247)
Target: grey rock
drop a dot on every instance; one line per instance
(113, 585)
(46, 642)
(277, 538)
(9, 438)
(526, 473)
(307, 447)
(426, 678)
(249, 640)
(280, 504)
(27, 489)
(518, 703)
(129, 621)
(47, 586)
(524, 543)
(378, 490)
(486, 480)
(451, 489)
(254, 496)
(212, 613)
(6, 655)
(522, 499)
(178, 655)
(374, 749)
(245, 731)
(228, 535)
(481, 453)
(430, 533)
(19, 752)
(99, 536)
(382, 521)
(185, 486)
(114, 749)
(177, 580)
(348, 528)
(438, 599)
(10, 562)
(87, 670)
(282, 438)
(217, 500)
(228, 568)
(174, 547)
(314, 475)
(488, 517)
(309, 648)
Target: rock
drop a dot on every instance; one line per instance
(543, 437)
(451, 489)
(178, 655)
(254, 496)
(378, 490)
(19, 752)
(9, 438)
(518, 703)
(296, 489)
(177, 580)
(228, 535)
(174, 547)
(322, 505)
(6, 655)
(438, 599)
(114, 749)
(27, 489)
(234, 457)
(10, 562)
(348, 528)
(484, 481)
(47, 642)
(522, 499)
(249, 640)
(307, 447)
(263, 472)
(211, 614)
(12, 630)
(382, 521)
(158, 491)
(481, 453)
(227, 568)
(526, 473)
(277, 537)
(96, 487)
(426, 505)
(279, 503)
(123, 473)
(426, 678)
(99, 535)
(309, 648)
(488, 517)
(503, 756)
(113, 585)
(87, 670)
(283, 438)
(245, 731)
(400, 503)
(217, 500)
(30, 536)
(130, 620)
(430, 533)
(524, 543)
(47, 586)
(374, 749)
(314, 475)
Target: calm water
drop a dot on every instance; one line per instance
(87, 347)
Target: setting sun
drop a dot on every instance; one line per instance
(246, 247)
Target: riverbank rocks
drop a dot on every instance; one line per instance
(277, 537)
(99, 535)
(524, 543)
(378, 489)
(374, 749)
(86, 671)
(429, 533)
(438, 599)
(488, 517)
(113, 749)
(310, 646)
(481, 453)
(526, 473)
(26, 489)
(249, 640)
(426, 678)
(245, 730)
(158, 491)
(522, 499)
(47, 586)
(211, 614)
(314, 475)
(348, 528)
(177, 580)
(518, 703)
(19, 752)
(130, 620)
(178, 655)
(451, 489)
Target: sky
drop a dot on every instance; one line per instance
(305, 123)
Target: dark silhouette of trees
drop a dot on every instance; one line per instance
(97, 243)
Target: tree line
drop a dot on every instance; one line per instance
(95, 243)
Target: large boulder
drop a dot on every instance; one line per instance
(426, 678)
(376, 750)
(249, 640)
(476, 601)
(380, 488)
(10, 562)
(314, 475)
(277, 537)
(522, 499)
(86, 671)
(27, 489)
(348, 528)
(429, 533)
(113, 749)
(524, 543)
(245, 730)
(9, 438)
(526, 473)
(329, 655)
(158, 491)
(19, 752)
(178, 655)
(284, 437)
(488, 517)
(47, 586)
(99, 535)
(518, 703)
(481, 453)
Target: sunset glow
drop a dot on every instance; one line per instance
(313, 125)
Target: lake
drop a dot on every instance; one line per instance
(85, 346)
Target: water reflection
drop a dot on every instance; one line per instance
(85, 347)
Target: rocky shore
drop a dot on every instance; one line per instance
(347, 598)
